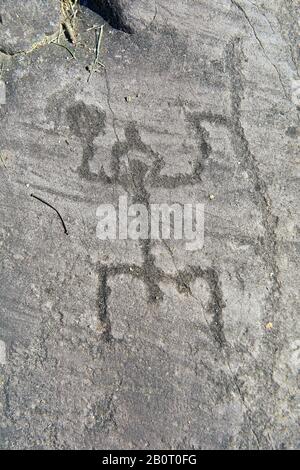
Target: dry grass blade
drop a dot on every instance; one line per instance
(99, 38)
(69, 10)
(65, 47)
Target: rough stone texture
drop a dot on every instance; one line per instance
(22, 24)
(146, 345)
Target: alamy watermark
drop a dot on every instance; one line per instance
(2, 353)
(152, 221)
(296, 92)
(2, 92)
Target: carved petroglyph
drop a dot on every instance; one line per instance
(138, 175)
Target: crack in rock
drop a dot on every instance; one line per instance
(242, 10)
(111, 11)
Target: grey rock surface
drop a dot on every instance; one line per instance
(23, 24)
(128, 344)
